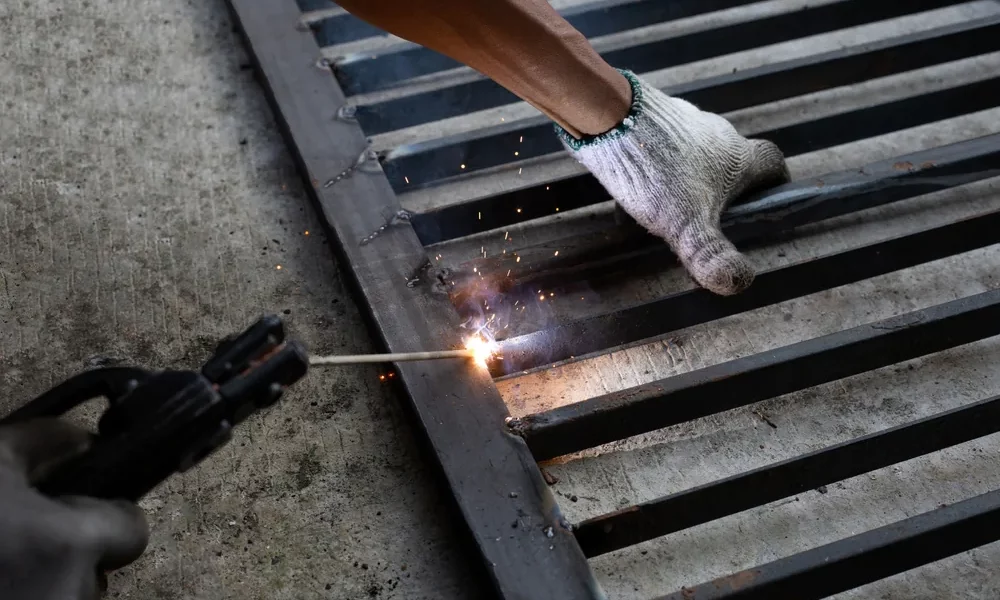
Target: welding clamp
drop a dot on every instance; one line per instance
(160, 423)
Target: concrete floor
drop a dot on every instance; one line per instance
(146, 202)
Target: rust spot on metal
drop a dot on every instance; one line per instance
(625, 511)
(903, 166)
(549, 477)
(737, 581)
(930, 164)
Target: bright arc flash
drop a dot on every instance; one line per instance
(482, 350)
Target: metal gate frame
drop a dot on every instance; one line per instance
(488, 460)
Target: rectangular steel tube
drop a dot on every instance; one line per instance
(863, 558)
(482, 94)
(684, 309)
(702, 504)
(458, 412)
(421, 164)
(368, 72)
(743, 381)
(592, 257)
(808, 136)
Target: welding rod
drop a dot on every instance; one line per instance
(359, 359)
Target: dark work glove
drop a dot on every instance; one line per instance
(57, 548)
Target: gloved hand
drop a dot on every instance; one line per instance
(673, 168)
(57, 548)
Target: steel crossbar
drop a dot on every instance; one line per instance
(482, 94)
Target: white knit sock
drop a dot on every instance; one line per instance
(673, 168)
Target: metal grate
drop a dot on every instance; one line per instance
(417, 301)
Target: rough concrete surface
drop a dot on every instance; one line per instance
(146, 203)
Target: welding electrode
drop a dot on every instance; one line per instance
(358, 359)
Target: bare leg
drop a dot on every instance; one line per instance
(524, 45)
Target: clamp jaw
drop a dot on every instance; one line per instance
(160, 423)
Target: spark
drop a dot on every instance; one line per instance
(518, 259)
(278, 267)
(508, 272)
(461, 166)
(521, 141)
(406, 179)
(516, 153)
(519, 170)
(519, 210)
(516, 302)
(480, 215)
(381, 377)
(306, 232)
(392, 374)
(551, 294)
(506, 234)
(501, 119)
(557, 209)
(546, 188)
(475, 270)
(482, 349)
(542, 297)
(556, 254)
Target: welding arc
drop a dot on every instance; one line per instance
(360, 359)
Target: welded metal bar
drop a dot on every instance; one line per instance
(366, 72)
(341, 29)
(684, 309)
(490, 473)
(592, 19)
(367, 359)
(481, 94)
(863, 558)
(311, 5)
(592, 257)
(416, 165)
(743, 381)
(584, 190)
(885, 118)
(729, 496)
